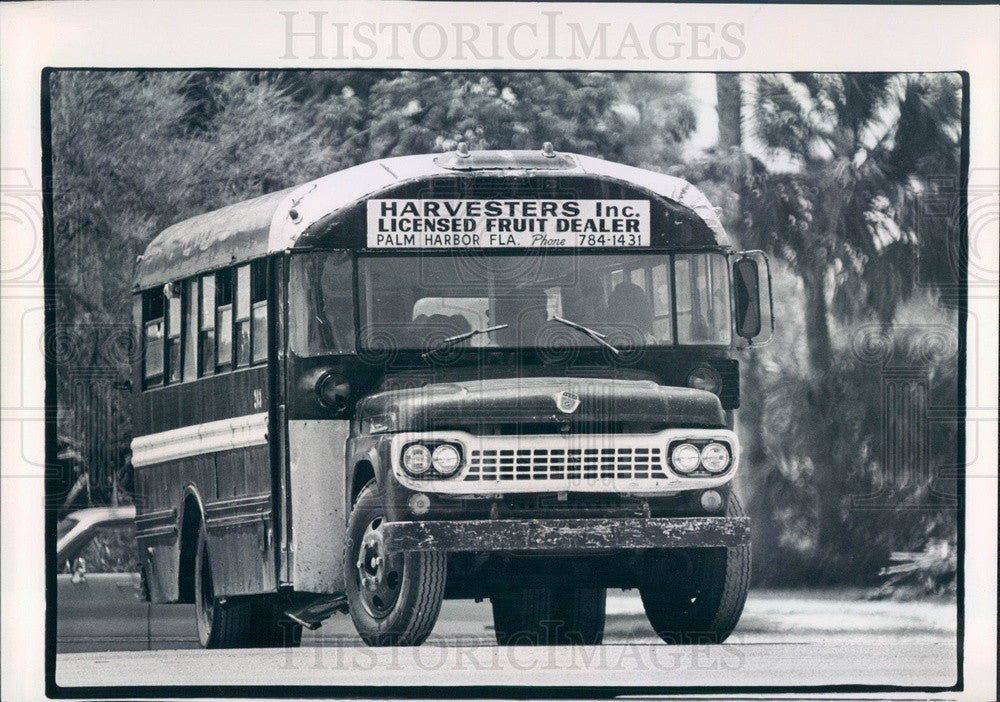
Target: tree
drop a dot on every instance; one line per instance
(729, 105)
(132, 153)
(858, 154)
(623, 117)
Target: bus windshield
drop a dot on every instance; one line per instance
(414, 301)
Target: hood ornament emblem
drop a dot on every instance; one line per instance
(567, 401)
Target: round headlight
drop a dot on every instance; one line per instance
(416, 459)
(333, 390)
(705, 378)
(685, 458)
(715, 458)
(446, 459)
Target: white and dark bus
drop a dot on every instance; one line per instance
(502, 375)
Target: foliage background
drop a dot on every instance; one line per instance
(849, 182)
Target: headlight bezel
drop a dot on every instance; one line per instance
(433, 471)
(699, 445)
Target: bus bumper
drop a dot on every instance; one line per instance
(573, 535)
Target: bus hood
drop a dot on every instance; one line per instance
(539, 401)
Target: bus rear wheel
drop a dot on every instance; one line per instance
(222, 622)
(547, 616)
(237, 622)
(694, 596)
(394, 598)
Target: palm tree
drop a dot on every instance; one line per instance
(850, 160)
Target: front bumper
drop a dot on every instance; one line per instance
(583, 535)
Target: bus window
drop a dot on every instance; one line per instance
(702, 285)
(258, 303)
(190, 329)
(663, 328)
(321, 303)
(242, 314)
(174, 334)
(224, 320)
(206, 328)
(152, 324)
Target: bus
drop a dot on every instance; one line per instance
(491, 375)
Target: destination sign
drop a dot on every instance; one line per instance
(412, 223)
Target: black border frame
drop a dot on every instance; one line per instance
(53, 690)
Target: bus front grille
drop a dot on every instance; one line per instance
(564, 463)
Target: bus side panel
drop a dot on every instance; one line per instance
(239, 522)
(317, 461)
(233, 484)
(160, 493)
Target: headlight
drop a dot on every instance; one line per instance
(705, 378)
(685, 458)
(416, 459)
(446, 459)
(715, 458)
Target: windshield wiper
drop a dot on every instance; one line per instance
(595, 335)
(445, 343)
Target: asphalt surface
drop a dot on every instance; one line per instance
(791, 639)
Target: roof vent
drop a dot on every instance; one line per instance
(547, 150)
(464, 160)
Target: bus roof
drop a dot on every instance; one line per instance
(274, 222)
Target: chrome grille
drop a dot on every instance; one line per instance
(566, 463)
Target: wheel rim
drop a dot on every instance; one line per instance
(379, 574)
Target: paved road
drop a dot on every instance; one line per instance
(783, 639)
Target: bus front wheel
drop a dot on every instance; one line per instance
(394, 598)
(694, 596)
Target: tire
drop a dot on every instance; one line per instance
(271, 628)
(402, 599)
(696, 596)
(254, 621)
(222, 622)
(548, 616)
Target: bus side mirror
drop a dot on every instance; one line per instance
(746, 285)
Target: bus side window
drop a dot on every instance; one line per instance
(152, 347)
(258, 303)
(206, 326)
(191, 329)
(174, 333)
(702, 285)
(224, 320)
(242, 314)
